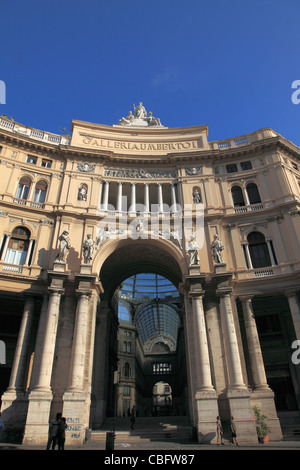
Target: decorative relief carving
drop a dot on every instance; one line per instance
(86, 167)
(139, 173)
(195, 170)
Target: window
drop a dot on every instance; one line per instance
(161, 368)
(253, 194)
(237, 196)
(126, 391)
(40, 192)
(46, 163)
(23, 188)
(258, 249)
(31, 159)
(246, 166)
(18, 246)
(126, 370)
(232, 168)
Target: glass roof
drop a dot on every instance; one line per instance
(148, 286)
(155, 319)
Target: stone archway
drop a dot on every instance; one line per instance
(126, 258)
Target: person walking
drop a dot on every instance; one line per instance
(219, 431)
(233, 431)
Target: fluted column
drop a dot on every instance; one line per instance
(160, 197)
(79, 345)
(236, 380)
(256, 358)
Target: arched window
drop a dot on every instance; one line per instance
(18, 245)
(253, 193)
(258, 249)
(23, 188)
(237, 196)
(40, 191)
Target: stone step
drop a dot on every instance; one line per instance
(146, 429)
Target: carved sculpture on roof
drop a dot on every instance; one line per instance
(140, 118)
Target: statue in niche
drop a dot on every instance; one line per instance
(217, 247)
(82, 193)
(88, 249)
(193, 252)
(196, 196)
(64, 246)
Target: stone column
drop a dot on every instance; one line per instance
(77, 394)
(206, 404)
(262, 395)
(79, 340)
(295, 311)
(17, 376)
(256, 359)
(119, 199)
(237, 393)
(203, 363)
(146, 198)
(5, 248)
(160, 197)
(132, 209)
(248, 257)
(14, 400)
(235, 373)
(40, 397)
(173, 197)
(105, 196)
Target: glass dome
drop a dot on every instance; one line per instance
(156, 319)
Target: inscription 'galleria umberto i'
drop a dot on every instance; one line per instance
(142, 146)
(124, 140)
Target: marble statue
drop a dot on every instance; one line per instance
(140, 117)
(196, 196)
(82, 193)
(193, 251)
(217, 247)
(64, 246)
(88, 249)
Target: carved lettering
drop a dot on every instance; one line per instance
(142, 146)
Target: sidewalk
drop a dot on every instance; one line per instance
(157, 446)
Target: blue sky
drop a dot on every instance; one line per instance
(228, 64)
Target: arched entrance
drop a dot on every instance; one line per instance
(141, 309)
(162, 399)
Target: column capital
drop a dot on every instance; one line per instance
(244, 297)
(291, 292)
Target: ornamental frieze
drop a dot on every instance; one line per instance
(140, 173)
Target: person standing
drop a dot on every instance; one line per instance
(53, 430)
(219, 431)
(132, 417)
(61, 434)
(233, 431)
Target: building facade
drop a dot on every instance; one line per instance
(145, 266)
